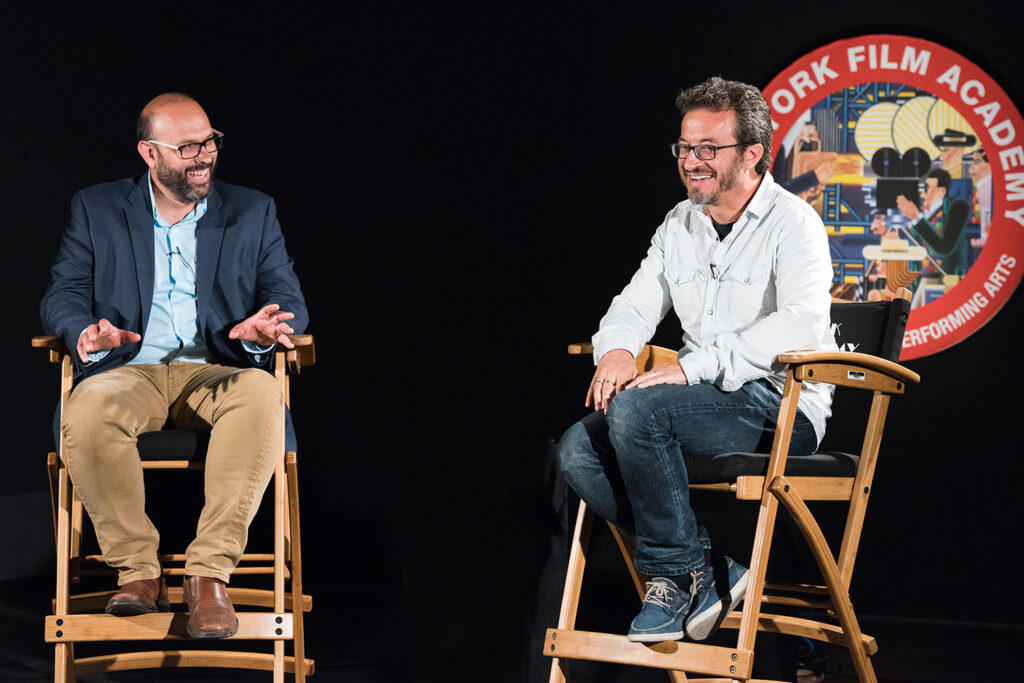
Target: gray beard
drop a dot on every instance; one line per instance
(726, 181)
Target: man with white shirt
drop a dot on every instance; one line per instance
(172, 293)
(745, 266)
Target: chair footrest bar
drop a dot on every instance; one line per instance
(250, 597)
(160, 626)
(672, 654)
(181, 557)
(795, 602)
(796, 587)
(129, 661)
(809, 488)
(806, 628)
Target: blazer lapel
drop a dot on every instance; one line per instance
(209, 237)
(139, 216)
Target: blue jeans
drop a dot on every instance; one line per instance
(629, 465)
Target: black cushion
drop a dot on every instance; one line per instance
(173, 444)
(178, 444)
(727, 466)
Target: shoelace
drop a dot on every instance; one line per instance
(698, 579)
(659, 593)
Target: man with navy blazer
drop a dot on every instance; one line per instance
(173, 292)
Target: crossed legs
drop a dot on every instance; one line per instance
(629, 464)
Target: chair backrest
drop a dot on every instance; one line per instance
(874, 327)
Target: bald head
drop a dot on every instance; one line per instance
(169, 105)
(180, 148)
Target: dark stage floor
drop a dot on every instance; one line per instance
(918, 652)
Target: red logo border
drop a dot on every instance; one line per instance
(1006, 237)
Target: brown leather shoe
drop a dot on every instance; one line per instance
(139, 597)
(210, 614)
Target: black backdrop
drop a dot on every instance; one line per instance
(463, 189)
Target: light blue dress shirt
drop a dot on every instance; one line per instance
(172, 333)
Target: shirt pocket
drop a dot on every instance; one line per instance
(680, 277)
(686, 288)
(745, 293)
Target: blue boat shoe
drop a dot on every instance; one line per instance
(716, 590)
(663, 613)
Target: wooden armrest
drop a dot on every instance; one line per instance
(45, 341)
(886, 367)
(649, 356)
(581, 348)
(304, 353)
(52, 344)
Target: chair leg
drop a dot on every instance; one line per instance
(64, 654)
(627, 546)
(64, 663)
(573, 582)
(295, 554)
(52, 470)
(838, 590)
(756, 572)
(77, 522)
(280, 501)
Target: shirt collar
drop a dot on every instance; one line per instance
(934, 207)
(194, 215)
(759, 203)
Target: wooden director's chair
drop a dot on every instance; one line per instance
(876, 331)
(74, 618)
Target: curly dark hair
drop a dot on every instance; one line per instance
(753, 120)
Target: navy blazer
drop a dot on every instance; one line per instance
(105, 269)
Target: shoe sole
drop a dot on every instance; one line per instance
(210, 635)
(710, 619)
(655, 637)
(207, 635)
(132, 608)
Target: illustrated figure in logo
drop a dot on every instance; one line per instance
(981, 195)
(941, 223)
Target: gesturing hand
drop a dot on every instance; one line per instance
(613, 371)
(103, 335)
(660, 374)
(266, 327)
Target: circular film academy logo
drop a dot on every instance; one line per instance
(914, 158)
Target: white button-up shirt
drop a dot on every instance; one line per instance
(761, 291)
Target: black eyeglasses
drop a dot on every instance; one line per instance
(703, 152)
(211, 144)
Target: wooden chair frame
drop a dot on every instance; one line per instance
(861, 371)
(284, 622)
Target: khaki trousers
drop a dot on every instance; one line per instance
(244, 411)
